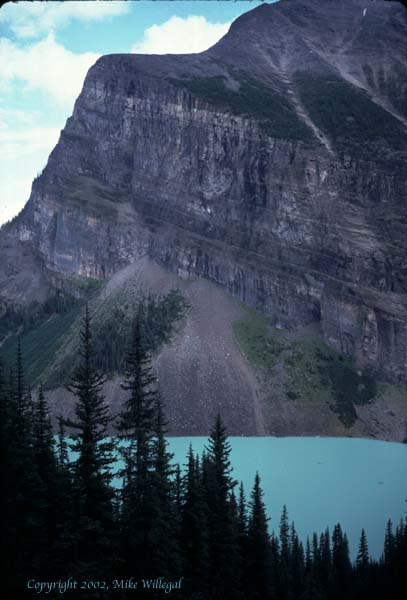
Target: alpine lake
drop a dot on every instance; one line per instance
(322, 481)
(358, 483)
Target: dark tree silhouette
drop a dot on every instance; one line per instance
(93, 495)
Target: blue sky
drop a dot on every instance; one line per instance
(46, 49)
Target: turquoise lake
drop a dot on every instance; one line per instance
(323, 481)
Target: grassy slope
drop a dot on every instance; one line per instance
(253, 99)
(41, 343)
(312, 371)
(50, 344)
(347, 115)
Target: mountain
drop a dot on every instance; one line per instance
(266, 180)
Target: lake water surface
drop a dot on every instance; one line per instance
(323, 481)
(357, 482)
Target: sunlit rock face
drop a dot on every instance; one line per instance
(274, 164)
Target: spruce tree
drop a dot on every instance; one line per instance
(326, 560)
(316, 554)
(8, 514)
(258, 555)
(194, 532)
(389, 544)
(274, 566)
(45, 465)
(136, 427)
(64, 498)
(178, 491)
(25, 525)
(43, 440)
(164, 559)
(341, 565)
(362, 559)
(93, 508)
(242, 511)
(236, 543)
(285, 580)
(285, 535)
(219, 485)
(62, 449)
(308, 557)
(241, 540)
(365, 571)
(297, 566)
(315, 580)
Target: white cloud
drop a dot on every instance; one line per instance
(27, 138)
(25, 145)
(15, 145)
(16, 116)
(39, 65)
(46, 66)
(181, 36)
(33, 19)
(14, 194)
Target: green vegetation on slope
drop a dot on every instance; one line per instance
(41, 341)
(347, 114)
(50, 341)
(253, 99)
(37, 313)
(261, 348)
(349, 387)
(312, 370)
(112, 335)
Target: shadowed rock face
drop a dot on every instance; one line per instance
(274, 164)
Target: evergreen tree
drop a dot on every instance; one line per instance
(258, 553)
(20, 389)
(93, 500)
(178, 489)
(242, 512)
(66, 536)
(314, 589)
(346, 547)
(43, 440)
(341, 565)
(325, 561)
(46, 469)
(389, 544)
(4, 427)
(63, 460)
(316, 554)
(8, 471)
(297, 566)
(164, 558)
(219, 485)
(285, 536)
(362, 559)
(24, 527)
(285, 580)
(194, 532)
(308, 557)
(275, 583)
(136, 426)
(21, 407)
(242, 541)
(238, 543)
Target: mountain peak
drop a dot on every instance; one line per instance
(289, 31)
(272, 165)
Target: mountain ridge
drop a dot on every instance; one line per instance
(272, 165)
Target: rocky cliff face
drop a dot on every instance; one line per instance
(274, 165)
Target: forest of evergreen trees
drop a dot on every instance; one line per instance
(67, 531)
